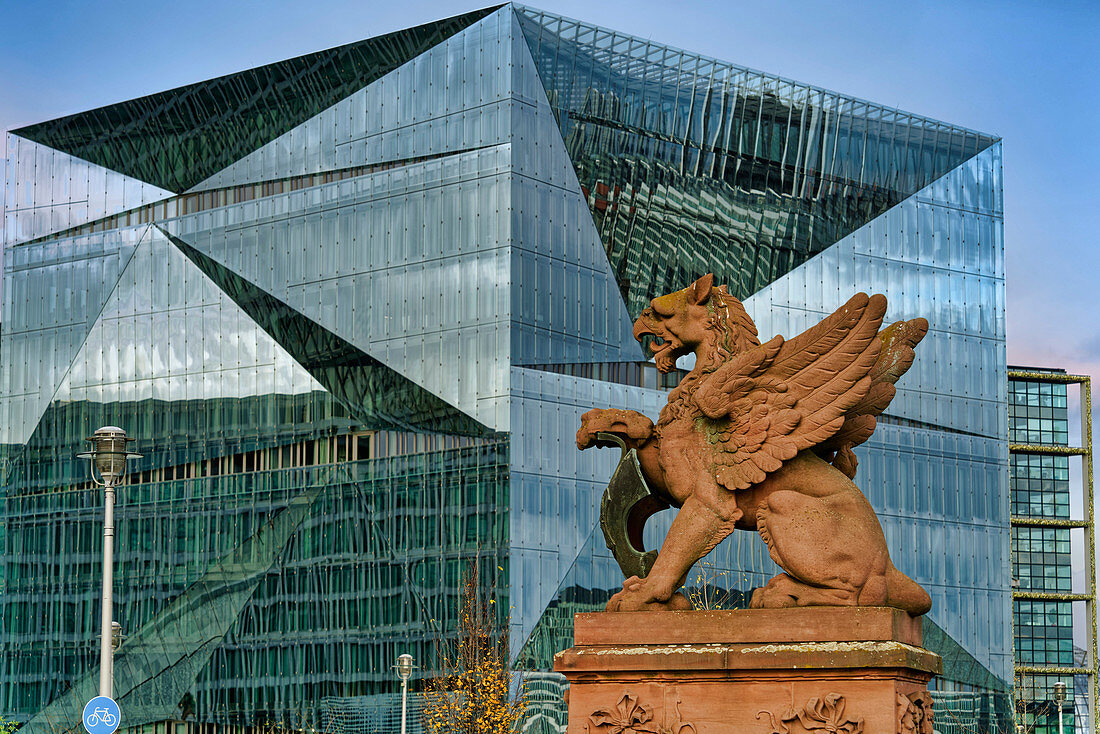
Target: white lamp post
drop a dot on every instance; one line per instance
(108, 456)
(1059, 699)
(404, 672)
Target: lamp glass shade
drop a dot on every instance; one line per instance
(108, 455)
(404, 666)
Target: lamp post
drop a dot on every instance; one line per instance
(404, 672)
(108, 456)
(1059, 699)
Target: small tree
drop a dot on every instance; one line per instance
(473, 693)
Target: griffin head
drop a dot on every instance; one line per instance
(699, 316)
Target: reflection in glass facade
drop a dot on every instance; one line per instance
(692, 165)
(355, 336)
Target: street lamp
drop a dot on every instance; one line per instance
(404, 672)
(108, 457)
(1059, 699)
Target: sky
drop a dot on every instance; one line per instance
(1025, 71)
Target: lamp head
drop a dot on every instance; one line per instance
(108, 455)
(404, 666)
(1060, 692)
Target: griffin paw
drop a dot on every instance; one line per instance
(637, 595)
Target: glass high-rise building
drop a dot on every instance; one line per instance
(1051, 521)
(353, 304)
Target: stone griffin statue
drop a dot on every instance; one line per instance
(759, 437)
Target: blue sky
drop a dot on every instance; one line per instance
(1026, 71)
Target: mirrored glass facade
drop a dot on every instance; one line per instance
(355, 336)
(692, 165)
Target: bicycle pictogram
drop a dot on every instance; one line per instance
(101, 715)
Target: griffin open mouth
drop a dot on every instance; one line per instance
(658, 344)
(655, 344)
(666, 352)
(664, 347)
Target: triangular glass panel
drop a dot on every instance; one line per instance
(62, 287)
(375, 395)
(958, 664)
(556, 489)
(396, 293)
(49, 191)
(586, 586)
(418, 110)
(178, 364)
(161, 660)
(692, 165)
(938, 255)
(567, 303)
(177, 138)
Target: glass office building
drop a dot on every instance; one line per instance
(1051, 521)
(352, 305)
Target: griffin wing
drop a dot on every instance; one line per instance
(895, 358)
(768, 403)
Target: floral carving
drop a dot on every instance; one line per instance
(819, 716)
(631, 717)
(915, 713)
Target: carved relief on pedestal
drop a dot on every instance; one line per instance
(915, 713)
(819, 716)
(630, 717)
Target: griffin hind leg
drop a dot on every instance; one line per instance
(808, 538)
(784, 591)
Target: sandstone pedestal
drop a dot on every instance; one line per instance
(849, 670)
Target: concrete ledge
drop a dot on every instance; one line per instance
(744, 626)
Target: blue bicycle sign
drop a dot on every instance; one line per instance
(101, 715)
